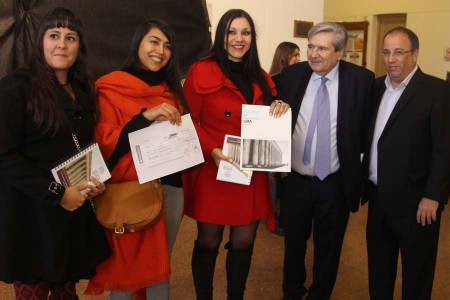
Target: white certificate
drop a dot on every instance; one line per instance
(162, 149)
(266, 140)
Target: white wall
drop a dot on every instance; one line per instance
(274, 21)
(428, 19)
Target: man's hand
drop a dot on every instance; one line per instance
(426, 213)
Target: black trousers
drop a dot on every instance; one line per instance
(310, 205)
(387, 236)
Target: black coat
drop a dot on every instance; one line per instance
(39, 240)
(355, 90)
(413, 149)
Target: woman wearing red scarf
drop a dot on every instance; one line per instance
(147, 90)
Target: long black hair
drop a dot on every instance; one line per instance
(252, 70)
(170, 73)
(44, 105)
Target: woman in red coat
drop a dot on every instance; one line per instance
(216, 87)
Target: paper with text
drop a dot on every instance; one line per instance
(162, 149)
(231, 172)
(266, 140)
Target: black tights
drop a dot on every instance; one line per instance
(210, 235)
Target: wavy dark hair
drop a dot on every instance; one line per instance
(170, 73)
(252, 70)
(44, 105)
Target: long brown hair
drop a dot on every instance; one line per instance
(44, 106)
(281, 58)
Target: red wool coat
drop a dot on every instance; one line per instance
(139, 259)
(210, 94)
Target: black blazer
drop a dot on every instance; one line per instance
(414, 147)
(355, 88)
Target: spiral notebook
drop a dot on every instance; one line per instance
(79, 167)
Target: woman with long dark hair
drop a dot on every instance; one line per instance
(148, 89)
(216, 87)
(50, 238)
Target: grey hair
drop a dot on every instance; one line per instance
(340, 34)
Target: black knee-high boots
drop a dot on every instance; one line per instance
(237, 266)
(203, 265)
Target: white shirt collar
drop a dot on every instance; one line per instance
(331, 76)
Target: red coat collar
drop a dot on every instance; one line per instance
(209, 78)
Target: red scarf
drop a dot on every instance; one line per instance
(121, 97)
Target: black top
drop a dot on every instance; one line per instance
(149, 77)
(276, 80)
(243, 84)
(139, 122)
(40, 240)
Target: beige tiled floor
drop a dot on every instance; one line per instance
(265, 276)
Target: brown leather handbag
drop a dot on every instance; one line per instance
(129, 206)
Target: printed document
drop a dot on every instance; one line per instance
(231, 172)
(266, 140)
(162, 149)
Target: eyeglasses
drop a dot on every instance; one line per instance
(396, 53)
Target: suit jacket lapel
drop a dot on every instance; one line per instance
(300, 84)
(404, 99)
(379, 91)
(342, 91)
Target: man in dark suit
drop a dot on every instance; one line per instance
(409, 170)
(326, 179)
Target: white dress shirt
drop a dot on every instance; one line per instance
(388, 102)
(304, 117)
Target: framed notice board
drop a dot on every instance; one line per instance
(356, 43)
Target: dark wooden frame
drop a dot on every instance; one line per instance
(301, 28)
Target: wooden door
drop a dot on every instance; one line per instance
(386, 22)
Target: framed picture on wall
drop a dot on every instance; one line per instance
(356, 43)
(301, 28)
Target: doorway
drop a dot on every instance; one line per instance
(385, 23)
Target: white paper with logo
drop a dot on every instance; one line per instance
(266, 140)
(162, 149)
